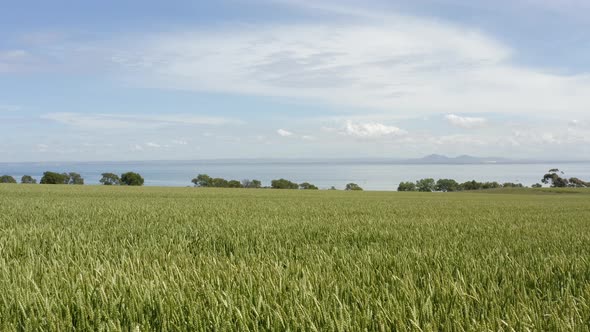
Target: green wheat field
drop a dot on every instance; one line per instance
(166, 259)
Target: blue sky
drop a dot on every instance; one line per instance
(140, 80)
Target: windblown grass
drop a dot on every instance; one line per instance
(122, 258)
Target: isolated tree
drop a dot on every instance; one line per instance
(110, 179)
(447, 185)
(7, 179)
(234, 184)
(307, 186)
(425, 185)
(353, 187)
(131, 179)
(202, 180)
(406, 186)
(554, 179)
(75, 178)
(253, 184)
(537, 185)
(284, 184)
(333, 188)
(27, 179)
(54, 178)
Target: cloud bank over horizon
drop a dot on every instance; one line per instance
(330, 79)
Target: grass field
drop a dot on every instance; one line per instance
(123, 258)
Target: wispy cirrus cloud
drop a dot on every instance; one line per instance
(380, 61)
(114, 121)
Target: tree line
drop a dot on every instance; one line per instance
(127, 179)
(135, 179)
(450, 185)
(554, 178)
(205, 181)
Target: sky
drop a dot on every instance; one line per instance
(186, 80)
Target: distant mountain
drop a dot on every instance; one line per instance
(463, 159)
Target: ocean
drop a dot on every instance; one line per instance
(371, 175)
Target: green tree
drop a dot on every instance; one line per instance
(425, 185)
(110, 179)
(7, 179)
(353, 187)
(512, 185)
(27, 179)
(75, 178)
(54, 178)
(253, 184)
(307, 186)
(537, 185)
(406, 186)
(471, 185)
(491, 185)
(131, 179)
(234, 184)
(553, 178)
(284, 184)
(202, 180)
(219, 183)
(577, 183)
(447, 185)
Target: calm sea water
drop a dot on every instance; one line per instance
(369, 175)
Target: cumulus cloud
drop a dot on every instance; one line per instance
(465, 122)
(371, 130)
(284, 133)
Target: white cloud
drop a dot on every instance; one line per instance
(284, 133)
(153, 145)
(137, 147)
(10, 108)
(179, 142)
(371, 130)
(387, 62)
(42, 147)
(114, 121)
(465, 122)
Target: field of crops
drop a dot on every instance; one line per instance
(124, 258)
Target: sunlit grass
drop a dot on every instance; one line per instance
(122, 258)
